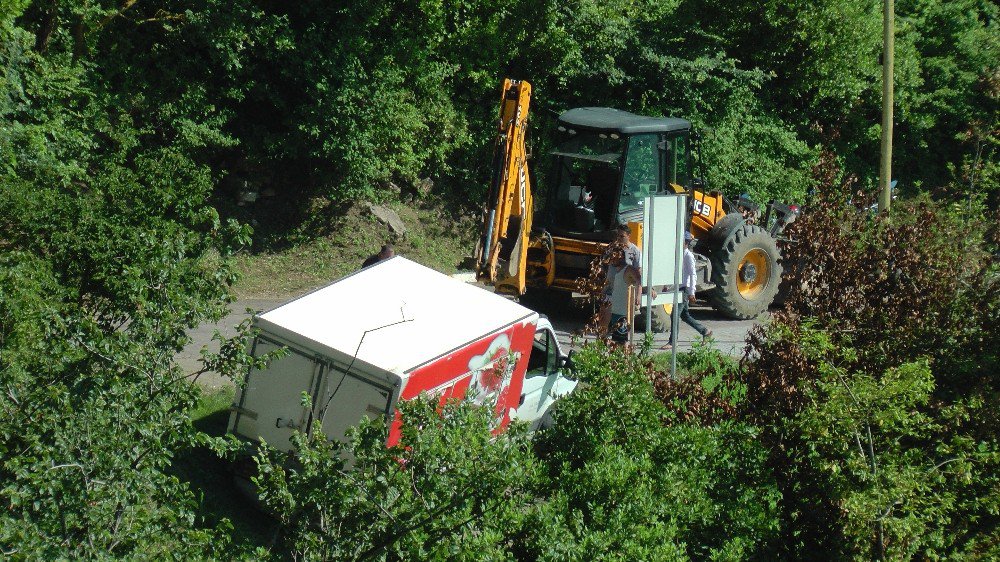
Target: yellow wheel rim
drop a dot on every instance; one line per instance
(753, 273)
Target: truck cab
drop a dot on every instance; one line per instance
(545, 380)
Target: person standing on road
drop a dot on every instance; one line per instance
(622, 273)
(689, 282)
(385, 253)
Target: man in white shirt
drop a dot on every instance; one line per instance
(689, 283)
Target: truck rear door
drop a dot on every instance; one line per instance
(347, 399)
(270, 406)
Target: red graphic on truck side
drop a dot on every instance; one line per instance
(488, 369)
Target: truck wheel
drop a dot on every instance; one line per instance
(746, 270)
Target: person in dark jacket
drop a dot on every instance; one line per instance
(385, 253)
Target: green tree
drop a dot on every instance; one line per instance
(646, 57)
(451, 490)
(949, 118)
(875, 388)
(110, 253)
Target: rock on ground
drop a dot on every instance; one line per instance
(389, 218)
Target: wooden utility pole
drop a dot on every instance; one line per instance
(885, 167)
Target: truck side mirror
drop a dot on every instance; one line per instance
(567, 362)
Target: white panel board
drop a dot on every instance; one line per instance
(662, 240)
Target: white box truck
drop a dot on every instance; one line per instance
(388, 333)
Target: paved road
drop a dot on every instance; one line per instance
(202, 336)
(729, 335)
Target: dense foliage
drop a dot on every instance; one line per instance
(626, 476)
(863, 422)
(876, 389)
(340, 99)
(449, 493)
(109, 252)
(618, 475)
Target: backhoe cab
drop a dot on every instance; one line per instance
(606, 163)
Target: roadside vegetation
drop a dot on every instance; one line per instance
(861, 423)
(436, 236)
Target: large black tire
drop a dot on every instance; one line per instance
(723, 229)
(746, 270)
(714, 239)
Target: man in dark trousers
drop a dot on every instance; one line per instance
(689, 282)
(385, 253)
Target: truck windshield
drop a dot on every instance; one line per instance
(588, 176)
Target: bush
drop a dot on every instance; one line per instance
(875, 388)
(706, 390)
(451, 490)
(630, 479)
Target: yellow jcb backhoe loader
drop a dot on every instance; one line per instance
(606, 163)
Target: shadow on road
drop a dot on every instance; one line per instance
(569, 319)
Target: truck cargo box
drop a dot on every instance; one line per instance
(386, 333)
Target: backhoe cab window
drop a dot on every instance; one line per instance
(678, 162)
(641, 171)
(588, 176)
(643, 168)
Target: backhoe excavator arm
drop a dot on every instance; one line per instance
(501, 258)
